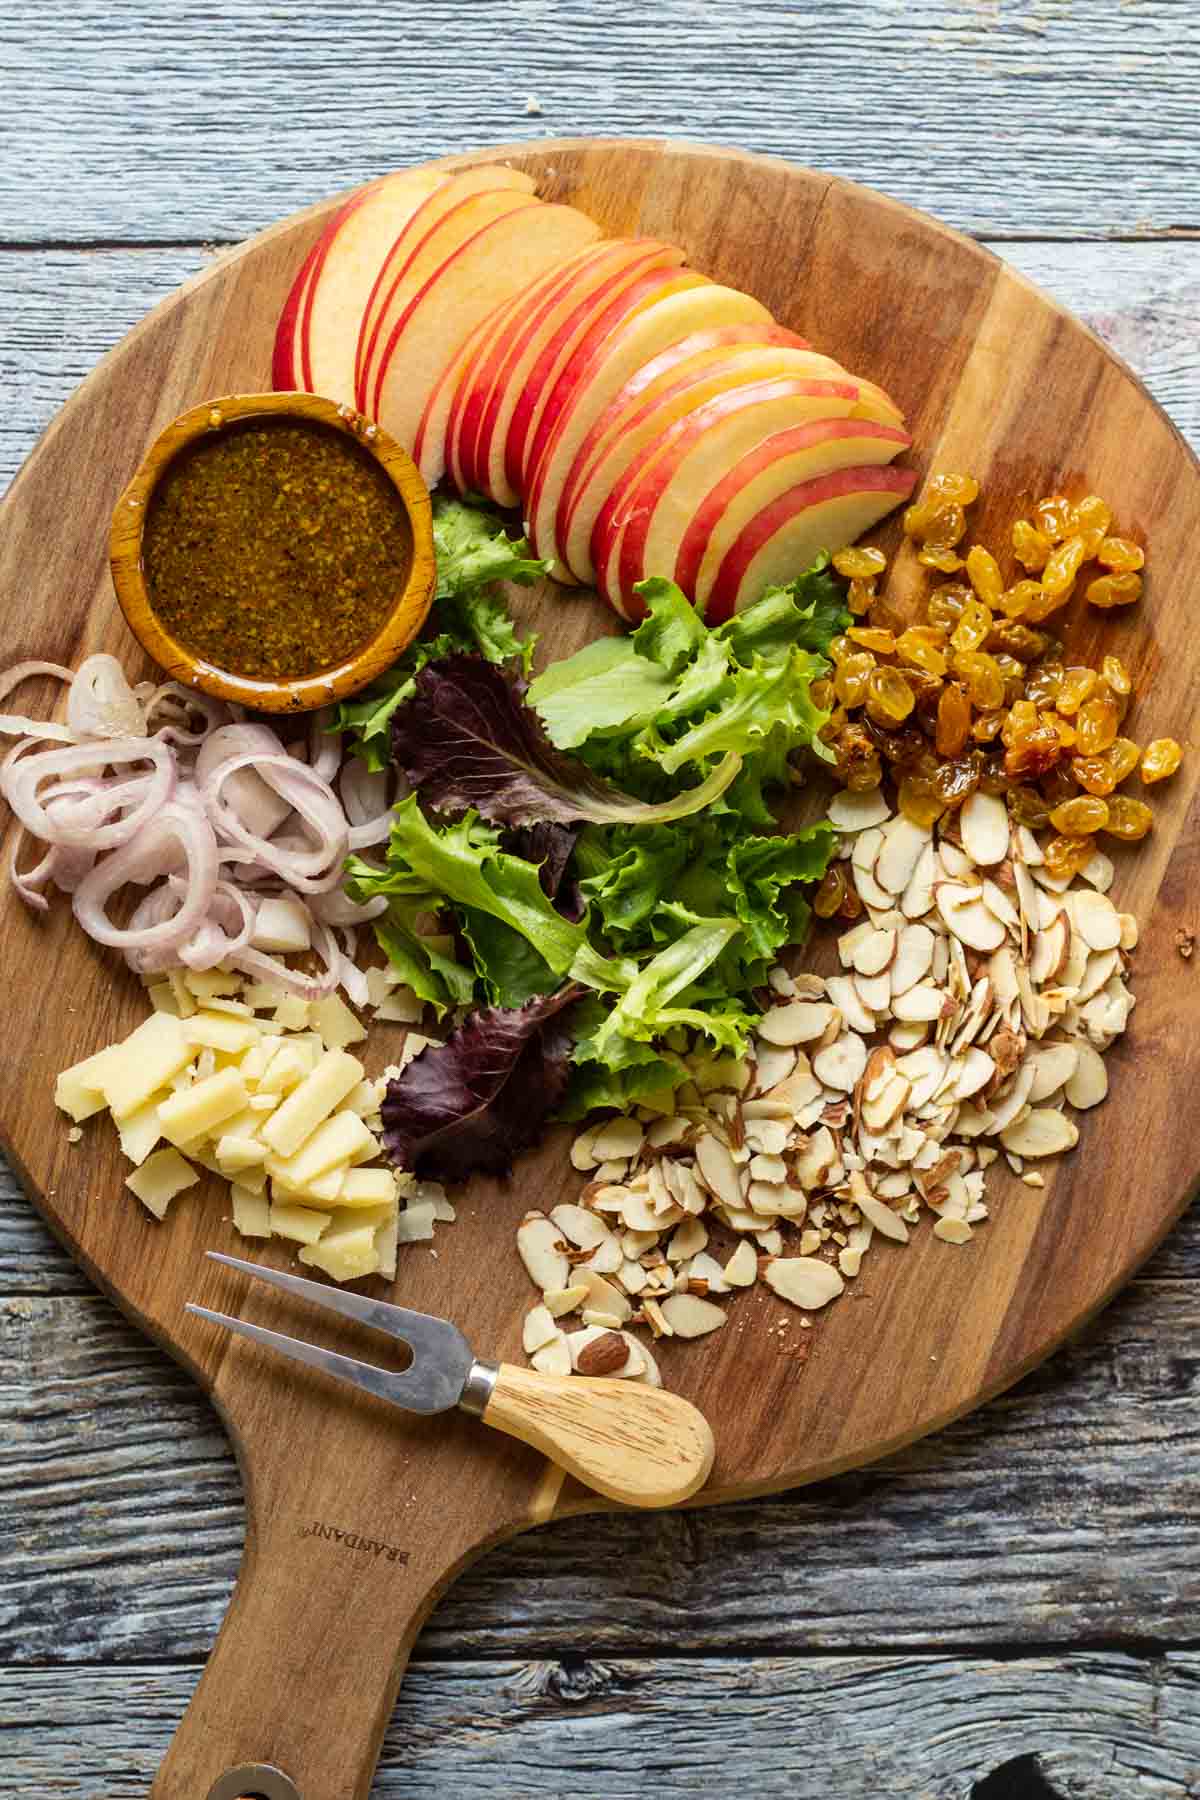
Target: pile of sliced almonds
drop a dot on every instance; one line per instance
(974, 1004)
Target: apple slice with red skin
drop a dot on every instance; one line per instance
(398, 259)
(347, 259)
(285, 357)
(779, 464)
(460, 395)
(641, 524)
(583, 339)
(641, 432)
(491, 343)
(516, 373)
(785, 537)
(500, 260)
(596, 374)
(439, 244)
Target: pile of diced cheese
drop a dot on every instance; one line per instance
(275, 1105)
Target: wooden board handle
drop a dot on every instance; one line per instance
(632, 1443)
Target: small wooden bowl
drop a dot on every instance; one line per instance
(302, 693)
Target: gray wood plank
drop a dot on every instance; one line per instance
(910, 1728)
(1062, 1513)
(1028, 118)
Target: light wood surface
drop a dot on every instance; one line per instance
(1033, 1575)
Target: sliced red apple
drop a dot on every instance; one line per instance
(785, 537)
(780, 463)
(500, 260)
(592, 378)
(542, 382)
(522, 363)
(642, 428)
(285, 357)
(473, 377)
(347, 261)
(416, 233)
(642, 522)
(435, 250)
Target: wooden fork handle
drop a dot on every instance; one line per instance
(630, 1442)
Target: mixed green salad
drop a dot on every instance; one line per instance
(588, 862)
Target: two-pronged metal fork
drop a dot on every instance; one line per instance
(633, 1443)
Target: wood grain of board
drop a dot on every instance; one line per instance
(990, 373)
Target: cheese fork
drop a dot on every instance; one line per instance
(632, 1443)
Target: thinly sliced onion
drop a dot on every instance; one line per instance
(337, 908)
(101, 703)
(147, 858)
(324, 749)
(312, 869)
(308, 987)
(261, 808)
(21, 779)
(365, 797)
(25, 671)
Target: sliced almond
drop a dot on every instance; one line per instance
(1097, 972)
(913, 959)
(1098, 871)
(983, 821)
(1049, 952)
(553, 1358)
(691, 1317)
(742, 1268)
(1129, 931)
(1087, 1085)
(671, 1130)
(804, 1280)
(773, 1064)
(1004, 1106)
(539, 1329)
(921, 1002)
(580, 1227)
(899, 854)
(953, 1231)
(1025, 847)
(603, 1297)
(849, 1003)
(917, 897)
(998, 903)
(583, 1155)
(1053, 1067)
(687, 1240)
(840, 1065)
(849, 811)
(879, 1216)
(976, 1071)
(565, 1300)
(873, 954)
(1042, 1132)
(966, 916)
(879, 1111)
(717, 1169)
(875, 991)
(1096, 919)
(540, 1247)
(797, 1022)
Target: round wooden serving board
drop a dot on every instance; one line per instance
(358, 1516)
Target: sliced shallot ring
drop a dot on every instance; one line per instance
(312, 870)
(101, 703)
(140, 860)
(20, 781)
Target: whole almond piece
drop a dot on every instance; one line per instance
(603, 1355)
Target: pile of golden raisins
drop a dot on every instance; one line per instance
(979, 695)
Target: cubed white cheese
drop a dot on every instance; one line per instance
(312, 1102)
(348, 1256)
(79, 1090)
(198, 1110)
(251, 1212)
(300, 1223)
(338, 1140)
(208, 984)
(292, 1013)
(367, 1187)
(237, 1153)
(145, 1062)
(336, 1023)
(217, 1031)
(159, 1179)
(141, 1130)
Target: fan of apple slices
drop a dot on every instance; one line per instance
(647, 420)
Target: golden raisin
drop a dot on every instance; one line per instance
(1057, 786)
(1121, 555)
(918, 803)
(1021, 720)
(987, 726)
(946, 562)
(1080, 817)
(1031, 547)
(851, 677)
(1116, 676)
(831, 893)
(882, 642)
(859, 596)
(1160, 759)
(1096, 725)
(985, 683)
(1122, 757)
(904, 748)
(958, 777)
(860, 562)
(1021, 599)
(946, 526)
(821, 694)
(1066, 856)
(1054, 517)
(983, 572)
(1114, 590)
(1073, 689)
(953, 720)
(923, 648)
(1065, 562)
(1043, 682)
(961, 489)
(840, 648)
(1128, 818)
(1028, 807)
(1034, 752)
(1064, 728)
(994, 779)
(889, 697)
(1093, 514)
(858, 764)
(974, 624)
(852, 906)
(1012, 672)
(1017, 640)
(945, 605)
(1094, 774)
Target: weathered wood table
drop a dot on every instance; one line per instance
(1007, 1610)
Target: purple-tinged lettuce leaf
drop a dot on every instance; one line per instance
(467, 741)
(550, 846)
(472, 1104)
